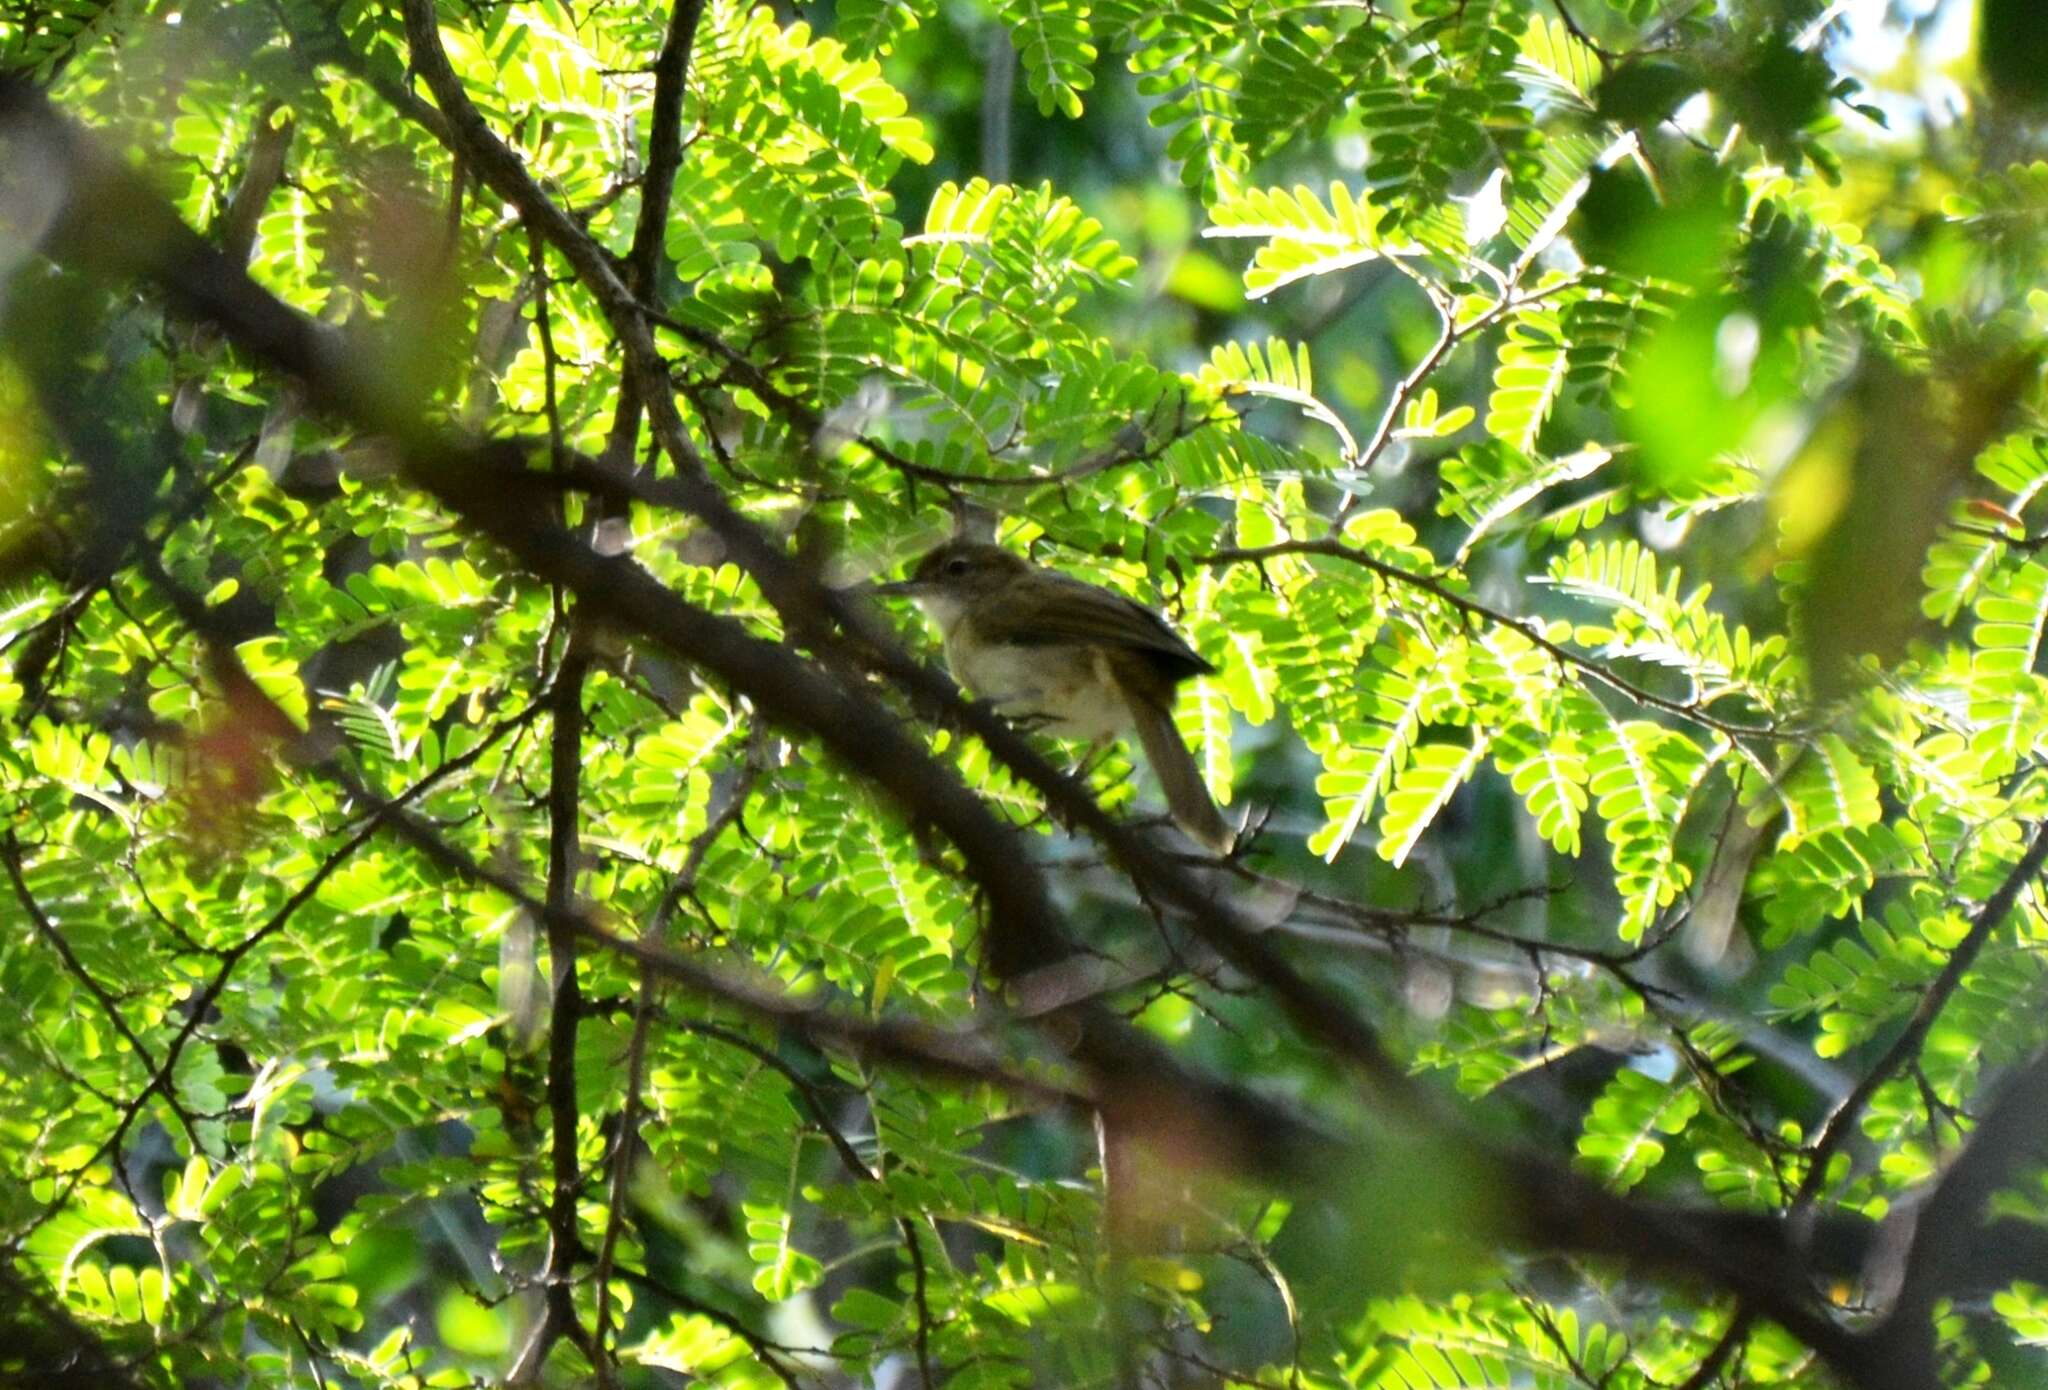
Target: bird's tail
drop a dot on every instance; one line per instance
(1187, 795)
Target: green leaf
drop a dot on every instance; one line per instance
(1053, 43)
(1625, 1128)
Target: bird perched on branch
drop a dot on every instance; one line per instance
(1068, 657)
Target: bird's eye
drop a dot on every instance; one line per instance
(957, 565)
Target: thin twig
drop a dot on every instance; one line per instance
(1572, 26)
(1836, 1129)
(1728, 1344)
(644, 1009)
(1472, 608)
(805, 419)
(544, 329)
(1449, 337)
(565, 1242)
(10, 855)
(856, 1168)
(769, 1353)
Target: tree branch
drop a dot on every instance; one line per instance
(1335, 549)
(664, 144)
(1950, 1247)
(565, 1241)
(644, 1008)
(45, 1348)
(1538, 1202)
(1835, 1131)
(10, 855)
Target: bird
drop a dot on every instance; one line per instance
(1069, 658)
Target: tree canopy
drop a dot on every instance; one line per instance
(492, 895)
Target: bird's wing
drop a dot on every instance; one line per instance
(1067, 610)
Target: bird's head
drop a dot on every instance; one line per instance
(948, 580)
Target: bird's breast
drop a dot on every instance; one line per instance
(1063, 690)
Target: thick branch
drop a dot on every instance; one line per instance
(664, 144)
(491, 489)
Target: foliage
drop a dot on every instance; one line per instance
(1604, 464)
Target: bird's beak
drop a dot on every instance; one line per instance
(900, 588)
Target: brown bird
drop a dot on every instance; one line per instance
(1069, 657)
